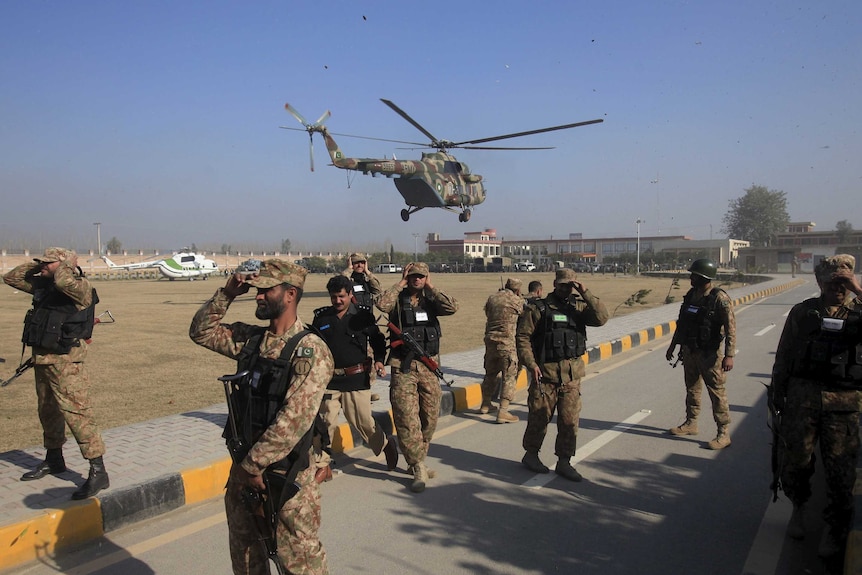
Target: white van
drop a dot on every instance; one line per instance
(386, 269)
(525, 267)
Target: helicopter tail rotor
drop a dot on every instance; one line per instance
(310, 128)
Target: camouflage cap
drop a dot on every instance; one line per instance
(513, 284)
(55, 255)
(276, 272)
(565, 276)
(419, 269)
(358, 257)
(832, 264)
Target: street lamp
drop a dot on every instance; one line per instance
(98, 238)
(638, 268)
(415, 247)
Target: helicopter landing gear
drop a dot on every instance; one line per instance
(405, 213)
(465, 216)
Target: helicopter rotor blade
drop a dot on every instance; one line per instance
(296, 114)
(527, 133)
(323, 117)
(311, 149)
(413, 122)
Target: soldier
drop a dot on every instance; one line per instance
(350, 331)
(502, 311)
(706, 320)
(62, 297)
(291, 367)
(414, 305)
(535, 291)
(551, 338)
(366, 287)
(816, 383)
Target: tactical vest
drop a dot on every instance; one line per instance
(361, 290)
(55, 323)
(420, 323)
(700, 325)
(559, 335)
(260, 397)
(830, 349)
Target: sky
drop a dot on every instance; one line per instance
(160, 120)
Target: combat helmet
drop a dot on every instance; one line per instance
(705, 268)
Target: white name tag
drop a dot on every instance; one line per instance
(358, 288)
(421, 316)
(832, 324)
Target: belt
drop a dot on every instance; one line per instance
(352, 370)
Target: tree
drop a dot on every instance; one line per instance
(225, 249)
(114, 245)
(757, 216)
(844, 229)
(285, 246)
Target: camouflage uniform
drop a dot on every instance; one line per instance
(817, 409)
(415, 394)
(365, 285)
(62, 384)
(502, 311)
(560, 387)
(298, 542)
(705, 365)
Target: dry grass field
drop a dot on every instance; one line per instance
(145, 366)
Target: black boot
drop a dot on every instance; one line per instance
(96, 481)
(53, 465)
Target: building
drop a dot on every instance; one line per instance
(575, 247)
(802, 247)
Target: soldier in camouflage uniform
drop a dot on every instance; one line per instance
(816, 382)
(706, 319)
(502, 311)
(551, 341)
(413, 305)
(62, 296)
(366, 287)
(279, 288)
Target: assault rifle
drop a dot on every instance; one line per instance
(774, 424)
(261, 505)
(416, 351)
(19, 371)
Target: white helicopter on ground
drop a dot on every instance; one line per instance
(181, 265)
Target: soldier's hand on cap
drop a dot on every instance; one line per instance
(236, 284)
(406, 271)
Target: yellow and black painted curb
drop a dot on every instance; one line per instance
(77, 522)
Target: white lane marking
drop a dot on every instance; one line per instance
(764, 554)
(540, 480)
(765, 330)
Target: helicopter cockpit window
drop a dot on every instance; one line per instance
(452, 167)
(187, 259)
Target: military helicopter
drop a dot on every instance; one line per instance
(438, 180)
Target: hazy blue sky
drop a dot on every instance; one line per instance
(160, 119)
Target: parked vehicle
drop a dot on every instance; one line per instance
(387, 269)
(525, 267)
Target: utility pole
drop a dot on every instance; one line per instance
(638, 268)
(98, 238)
(415, 247)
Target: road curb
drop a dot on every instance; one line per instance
(74, 523)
